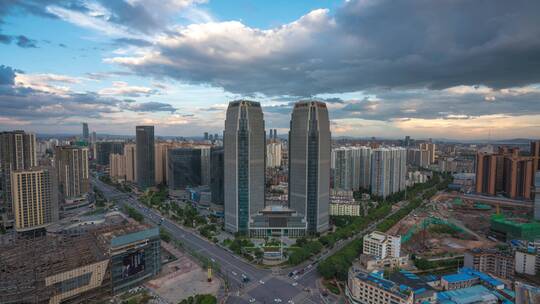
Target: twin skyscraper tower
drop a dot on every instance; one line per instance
(307, 209)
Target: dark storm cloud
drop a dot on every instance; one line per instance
(26, 42)
(367, 44)
(7, 75)
(138, 16)
(151, 107)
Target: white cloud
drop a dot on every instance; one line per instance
(122, 88)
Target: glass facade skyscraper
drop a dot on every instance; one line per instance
(184, 168)
(309, 163)
(146, 170)
(244, 153)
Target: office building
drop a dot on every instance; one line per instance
(309, 163)
(130, 155)
(205, 165)
(217, 163)
(145, 157)
(525, 261)
(106, 148)
(244, 144)
(94, 137)
(85, 132)
(273, 155)
(17, 152)
(382, 245)
(205, 135)
(388, 170)
(184, 168)
(71, 165)
(35, 198)
(134, 257)
(79, 267)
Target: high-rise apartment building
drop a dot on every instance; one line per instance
(537, 196)
(71, 165)
(35, 198)
(85, 132)
(161, 150)
(380, 172)
(351, 167)
(388, 170)
(17, 152)
(504, 172)
(146, 170)
(117, 167)
(217, 163)
(431, 148)
(273, 154)
(309, 164)
(535, 154)
(244, 144)
(130, 154)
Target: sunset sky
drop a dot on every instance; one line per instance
(441, 69)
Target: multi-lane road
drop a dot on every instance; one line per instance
(264, 285)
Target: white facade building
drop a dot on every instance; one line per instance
(273, 155)
(382, 245)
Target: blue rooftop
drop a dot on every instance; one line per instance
(134, 237)
(474, 294)
(458, 277)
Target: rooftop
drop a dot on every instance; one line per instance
(474, 294)
(134, 237)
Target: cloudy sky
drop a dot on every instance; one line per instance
(441, 69)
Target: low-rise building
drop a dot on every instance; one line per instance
(382, 245)
(346, 208)
(400, 288)
(525, 261)
(493, 261)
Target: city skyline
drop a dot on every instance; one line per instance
(179, 63)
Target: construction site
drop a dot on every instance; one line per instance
(449, 225)
(62, 267)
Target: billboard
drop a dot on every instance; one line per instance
(133, 263)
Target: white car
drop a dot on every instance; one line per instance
(261, 282)
(277, 300)
(252, 300)
(234, 273)
(290, 302)
(294, 283)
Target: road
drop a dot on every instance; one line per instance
(265, 285)
(232, 267)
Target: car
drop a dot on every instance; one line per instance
(234, 273)
(295, 277)
(261, 282)
(212, 259)
(252, 300)
(290, 302)
(277, 300)
(294, 283)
